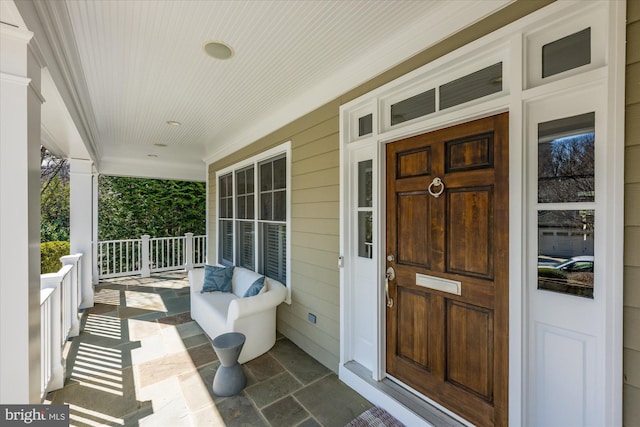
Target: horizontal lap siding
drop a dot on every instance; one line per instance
(631, 318)
(315, 197)
(315, 230)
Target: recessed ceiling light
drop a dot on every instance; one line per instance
(173, 123)
(153, 156)
(160, 145)
(218, 50)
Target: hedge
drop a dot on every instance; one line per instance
(50, 253)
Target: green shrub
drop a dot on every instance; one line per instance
(551, 272)
(50, 253)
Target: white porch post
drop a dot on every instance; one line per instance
(20, 103)
(76, 294)
(145, 268)
(82, 223)
(188, 253)
(94, 257)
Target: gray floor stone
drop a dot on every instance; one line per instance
(285, 412)
(331, 401)
(273, 389)
(135, 365)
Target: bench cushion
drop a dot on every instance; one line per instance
(217, 278)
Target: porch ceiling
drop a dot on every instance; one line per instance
(125, 68)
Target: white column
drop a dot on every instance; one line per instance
(145, 269)
(20, 103)
(76, 277)
(94, 256)
(82, 223)
(188, 253)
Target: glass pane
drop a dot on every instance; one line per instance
(229, 207)
(240, 182)
(250, 207)
(280, 173)
(416, 106)
(280, 205)
(266, 177)
(274, 251)
(226, 243)
(266, 206)
(242, 214)
(365, 189)
(365, 125)
(223, 209)
(472, 86)
(246, 245)
(565, 251)
(566, 160)
(567, 53)
(249, 180)
(365, 234)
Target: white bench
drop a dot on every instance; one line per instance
(221, 312)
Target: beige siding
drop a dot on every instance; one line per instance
(631, 319)
(315, 199)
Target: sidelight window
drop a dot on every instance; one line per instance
(566, 192)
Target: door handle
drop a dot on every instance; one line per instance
(391, 275)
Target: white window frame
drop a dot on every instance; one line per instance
(255, 161)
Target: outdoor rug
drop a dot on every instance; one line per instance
(375, 417)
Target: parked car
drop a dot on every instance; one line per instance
(576, 264)
(549, 262)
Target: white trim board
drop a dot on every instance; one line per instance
(511, 44)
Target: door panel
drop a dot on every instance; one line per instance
(470, 348)
(452, 348)
(413, 327)
(470, 231)
(413, 232)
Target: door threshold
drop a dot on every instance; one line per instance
(408, 408)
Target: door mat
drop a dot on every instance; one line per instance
(375, 417)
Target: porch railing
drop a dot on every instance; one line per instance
(148, 255)
(59, 307)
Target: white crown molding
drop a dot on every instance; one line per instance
(153, 168)
(445, 21)
(12, 78)
(53, 31)
(8, 30)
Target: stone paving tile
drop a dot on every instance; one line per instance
(189, 329)
(238, 411)
(264, 367)
(195, 340)
(304, 367)
(310, 422)
(176, 319)
(178, 305)
(202, 354)
(208, 416)
(196, 387)
(285, 412)
(166, 365)
(266, 392)
(338, 405)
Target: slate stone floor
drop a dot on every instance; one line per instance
(141, 361)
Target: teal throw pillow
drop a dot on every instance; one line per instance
(217, 279)
(255, 287)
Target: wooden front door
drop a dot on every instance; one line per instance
(447, 243)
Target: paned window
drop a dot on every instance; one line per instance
(566, 178)
(252, 216)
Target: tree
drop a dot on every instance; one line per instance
(131, 207)
(54, 197)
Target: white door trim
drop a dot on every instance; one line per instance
(511, 44)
